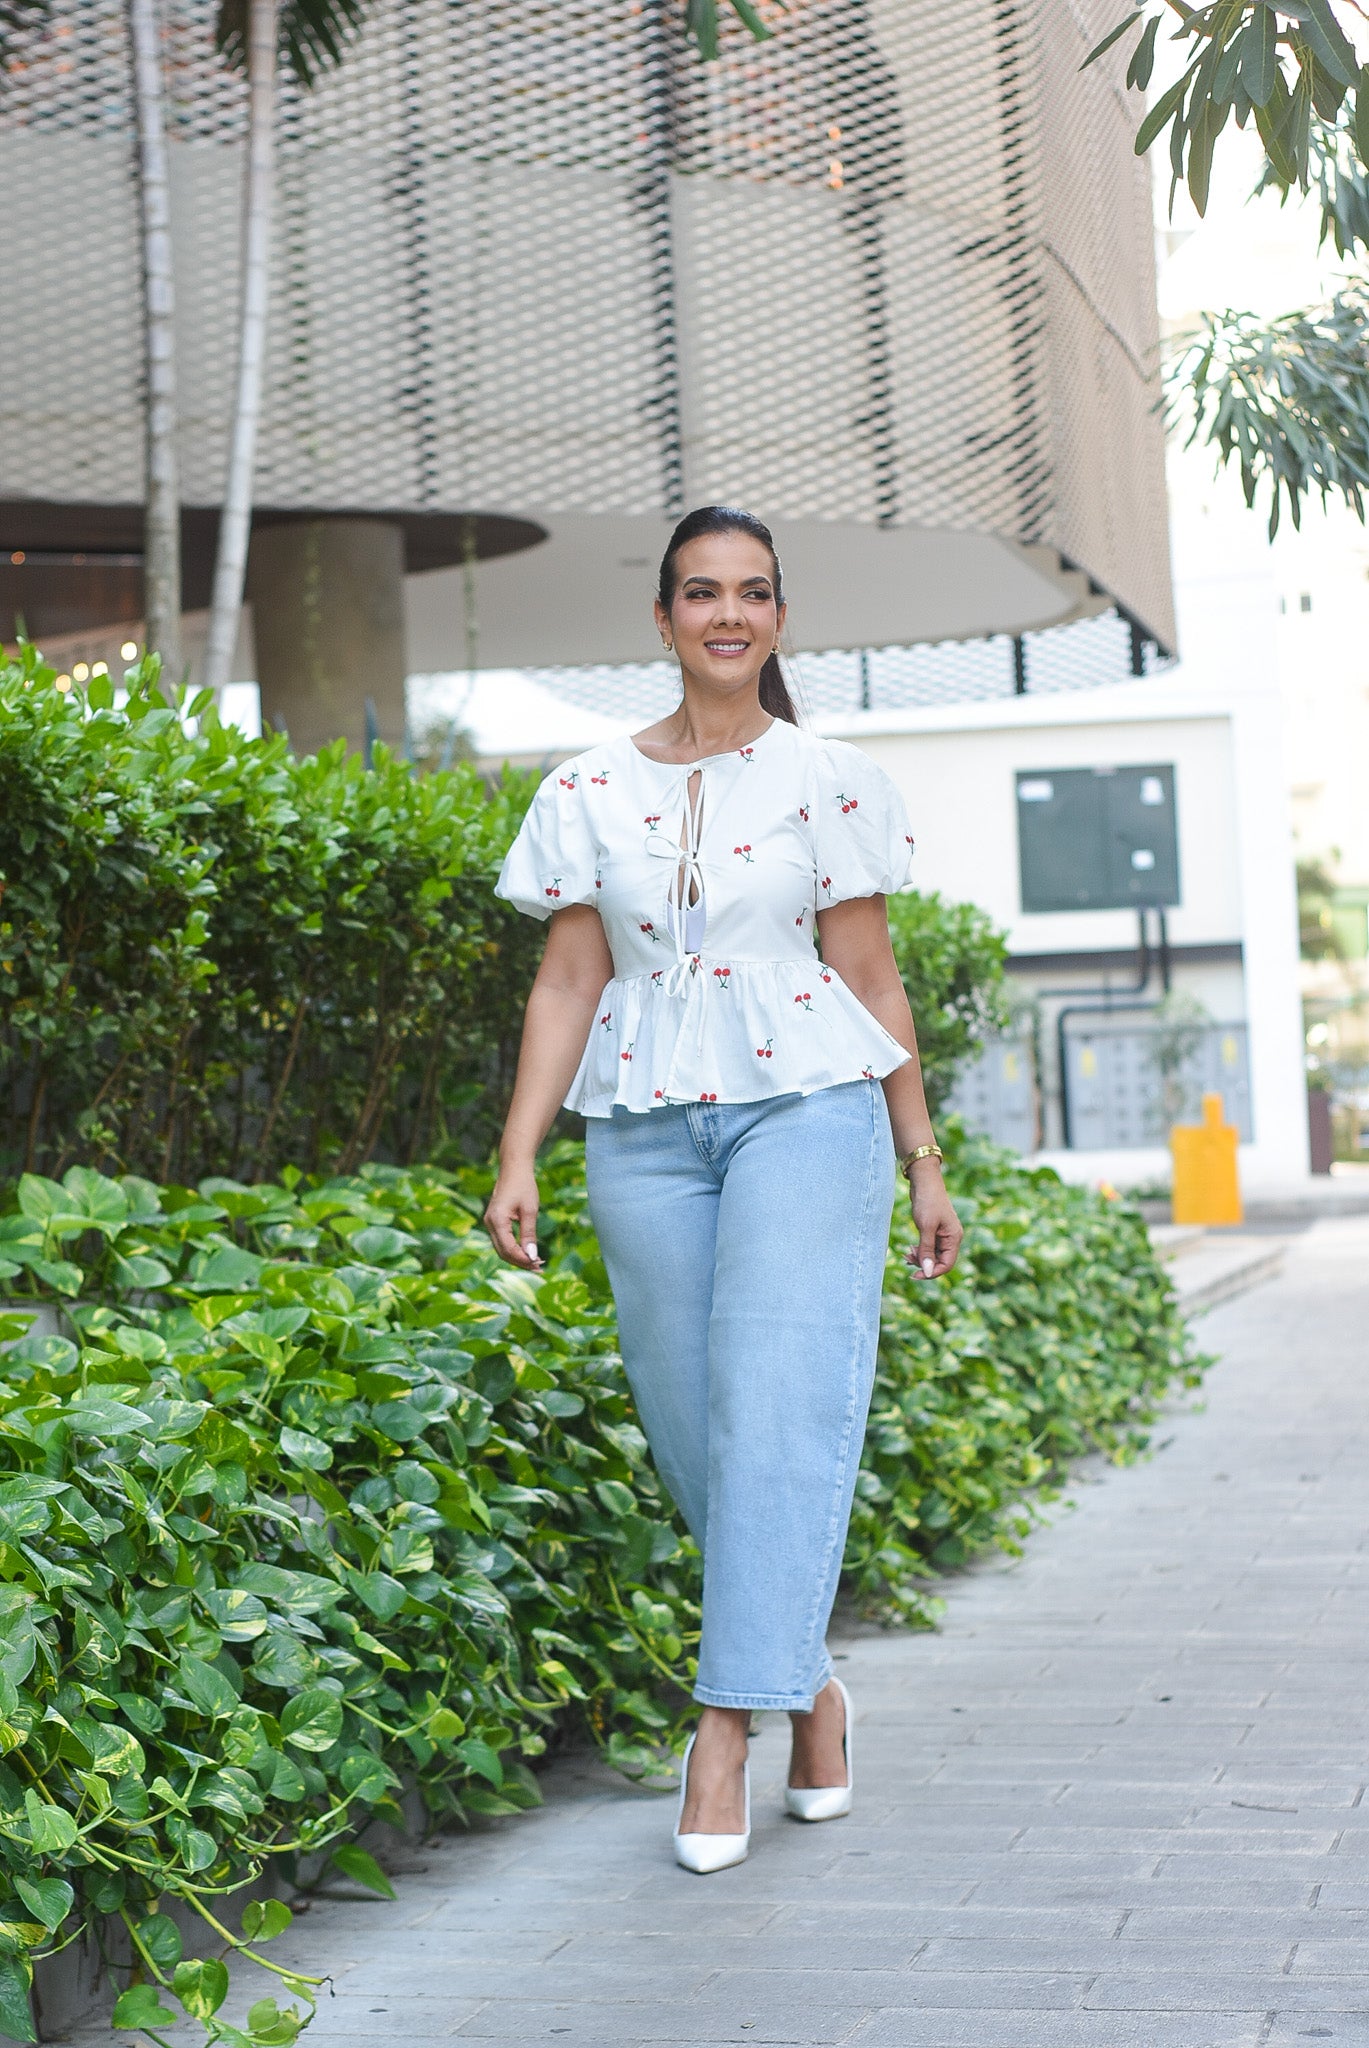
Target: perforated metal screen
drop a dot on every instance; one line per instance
(892, 267)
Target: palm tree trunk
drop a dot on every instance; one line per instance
(235, 522)
(162, 495)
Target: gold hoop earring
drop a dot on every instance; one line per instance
(669, 646)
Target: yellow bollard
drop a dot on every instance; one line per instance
(1207, 1188)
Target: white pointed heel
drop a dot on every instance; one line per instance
(706, 1853)
(826, 1802)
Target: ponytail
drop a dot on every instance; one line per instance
(774, 691)
(775, 697)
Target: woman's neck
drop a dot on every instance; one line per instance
(702, 727)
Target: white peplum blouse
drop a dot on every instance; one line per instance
(730, 1003)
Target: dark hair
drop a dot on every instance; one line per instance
(774, 691)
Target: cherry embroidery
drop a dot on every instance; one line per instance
(827, 883)
(569, 781)
(825, 974)
(763, 1052)
(652, 820)
(720, 975)
(806, 1000)
(601, 778)
(708, 1098)
(652, 934)
(867, 1073)
(657, 978)
(745, 852)
(848, 803)
(659, 1095)
(801, 916)
(746, 753)
(606, 1019)
(626, 1054)
(803, 812)
(553, 887)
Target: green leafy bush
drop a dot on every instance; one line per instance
(316, 1500)
(951, 957)
(319, 1500)
(1057, 1334)
(215, 958)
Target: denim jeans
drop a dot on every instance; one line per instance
(745, 1242)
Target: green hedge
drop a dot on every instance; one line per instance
(952, 958)
(321, 1500)
(215, 958)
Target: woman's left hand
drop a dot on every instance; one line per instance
(939, 1229)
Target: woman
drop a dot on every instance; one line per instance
(745, 1100)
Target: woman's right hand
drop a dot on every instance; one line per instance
(511, 1218)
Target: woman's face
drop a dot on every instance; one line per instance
(723, 620)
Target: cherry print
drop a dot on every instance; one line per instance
(652, 819)
(659, 1095)
(553, 887)
(848, 803)
(601, 779)
(803, 812)
(658, 977)
(763, 1052)
(799, 919)
(867, 1073)
(806, 1000)
(909, 837)
(598, 879)
(824, 973)
(746, 752)
(827, 883)
(606, 1019)
(627, 1053)
(569, 781)
(720, 975)
(651, 932)
(745, 852)
(708, 1098)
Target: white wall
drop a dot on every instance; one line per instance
(956, 767)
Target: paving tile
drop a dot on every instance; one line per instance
(903, 2028)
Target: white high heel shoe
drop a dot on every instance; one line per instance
(826, 1802)
(706, 1853)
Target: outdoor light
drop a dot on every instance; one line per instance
(80, 671)
(101, 668)
(129, 651)
(62, 683)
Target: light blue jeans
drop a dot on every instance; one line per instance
(745, 1242)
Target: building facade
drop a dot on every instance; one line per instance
(542, 280)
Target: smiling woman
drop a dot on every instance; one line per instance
(745, 1099)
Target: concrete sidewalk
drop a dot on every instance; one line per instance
(1116, 1801)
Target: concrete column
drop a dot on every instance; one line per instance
(327, 599)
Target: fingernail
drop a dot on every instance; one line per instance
(929, 1267)
(531, 1248)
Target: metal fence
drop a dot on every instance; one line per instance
(1081, 656)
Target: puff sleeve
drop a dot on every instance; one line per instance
(862, 843)
(554, 861)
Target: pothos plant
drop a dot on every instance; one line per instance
(314, 1503)
(307, 1507)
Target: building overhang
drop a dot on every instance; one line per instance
(585, 593)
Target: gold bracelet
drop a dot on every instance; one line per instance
(918, 1152)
